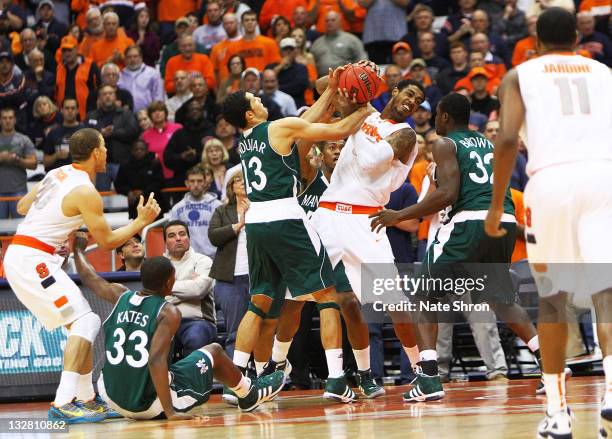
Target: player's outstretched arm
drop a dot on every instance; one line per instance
(295, 128)
(168, 322)
(101, 287)
(89, 203)
(511, 117)
(449, 180)
(23, 205)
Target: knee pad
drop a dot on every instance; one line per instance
(87, 326)
(256, 310)
(327, 305)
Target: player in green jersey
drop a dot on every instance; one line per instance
(461, 248)
(138, 380)
(284, 251)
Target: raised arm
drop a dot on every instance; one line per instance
(101, 287)
(511, 118)
(87, 201)
(168, 322)
(445, 195)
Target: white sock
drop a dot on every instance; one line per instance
(428, 355)
(334, 362)
(362, 357)
(280, 349)
(67, 389)
(534, 344)
(243, 387)
(607, 366)
(555, 392)
(259, 366)
(413, 355)
(241, 359)
(85, 390)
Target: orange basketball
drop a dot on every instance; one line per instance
(360, 82)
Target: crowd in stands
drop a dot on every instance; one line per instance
(150, 76)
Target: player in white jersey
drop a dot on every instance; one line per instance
(565, 103)
(374, 162)
(61, 203)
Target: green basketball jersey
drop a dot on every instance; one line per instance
(128, 333)
(309, 199)
(267, 174)
(475, 159)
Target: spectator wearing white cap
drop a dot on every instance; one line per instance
(292, 76)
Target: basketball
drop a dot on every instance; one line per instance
(360, 82)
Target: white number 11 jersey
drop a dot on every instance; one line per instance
(568, 102)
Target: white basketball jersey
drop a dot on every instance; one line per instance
(366, 173)
(45, 220)
(568, 110)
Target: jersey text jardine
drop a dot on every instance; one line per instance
(251, 145)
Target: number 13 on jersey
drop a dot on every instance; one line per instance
(260, 180)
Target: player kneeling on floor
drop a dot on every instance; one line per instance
(137, 379)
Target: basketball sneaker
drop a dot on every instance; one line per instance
(541, 389)
(272, 366)
(605, 423)
(262, 389)
(99, 405)
(425, 388)
(229, 397)
(74, 413)
(557, 426)
(367, 385)
(338, 390)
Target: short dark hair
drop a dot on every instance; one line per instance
(196, 170)
(120, 248)
(247, 13)
(556, 27)
(157, 106)
(235, 107)
(103, 86)
(175, 223)
(133, 47)
(83, 142)
(457, 107)
(11, 109)
(458, 44)
(155, 272)
(70, 99)
(405, 83)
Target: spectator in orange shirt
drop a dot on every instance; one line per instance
(275, 8)
(525, 49)
(168, 11)
(256, 50)
(318, 9)
(112, 47)
(218, 52)
(190, 61)
(94, 31)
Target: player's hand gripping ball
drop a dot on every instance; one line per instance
(361, 82)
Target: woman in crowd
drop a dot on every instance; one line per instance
(144, 34)
(158, 135)
(235, 67)
(144, 122)
(215, 156)
(230, 266)
(281, 28)
(306, 58)
(46, 116)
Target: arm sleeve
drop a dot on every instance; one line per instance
(199, 285)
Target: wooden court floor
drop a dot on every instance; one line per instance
(469, 410)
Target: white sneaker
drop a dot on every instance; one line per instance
(557, 426)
